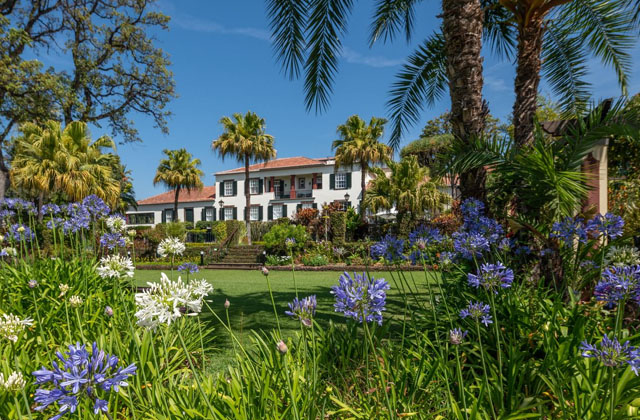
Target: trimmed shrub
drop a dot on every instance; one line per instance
(259, 229)
(274, 240)
(338, 227)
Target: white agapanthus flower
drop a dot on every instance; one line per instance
(64, 288)
(11, 326)
(171, 246)
(13, 383)
(9, 251)
(131, 232)
(620, 256)
(115, 266)
(116, 223)
(75, 301)
(165, 301)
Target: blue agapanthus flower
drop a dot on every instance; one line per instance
(471, 209)
(477, 311)
(390, 248)
(492, 277)
(424, 236)
(569, 230)
(51, 209)
(505, 244)
(609, 225)
(95, 206)
(613, 354)
(112, 240)
(303, 309)
(470, 245)
(618, 284)
(20, 232)
(55, 222)
(6, 213)
(360, 298)
(76, 222)
(188, 267)
(78, 375)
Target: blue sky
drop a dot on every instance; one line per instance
(223, 63)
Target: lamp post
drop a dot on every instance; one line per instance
(346, 199)
(201, 258)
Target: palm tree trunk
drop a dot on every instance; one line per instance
(4, 176)
(175, 206)
(247, 195)
(462, 27)
(530, 36)
(363, 187)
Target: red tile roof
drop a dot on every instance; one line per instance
(290, 162)
(208, 193)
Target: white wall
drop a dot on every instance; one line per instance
(318, 196)
(157, 209)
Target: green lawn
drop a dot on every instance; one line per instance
(251, 307)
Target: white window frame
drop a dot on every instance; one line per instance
(307, 205)
(168, 215)
(228, 213)
(254, 185)
(228, 188)
(209, 214)
(319, 182)
(341, 181)
(254, 213)
(301, 183)
(276, 188)
(278, 214)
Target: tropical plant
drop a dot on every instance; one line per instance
(48, 159)
(359, 144)
(179, 171)
(409, 189)
(245, 139)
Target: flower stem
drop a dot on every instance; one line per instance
(195, 374)
(484, 368)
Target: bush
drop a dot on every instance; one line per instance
(338, 227)
(240, 230)
(258, 230)
(274, 240)
(278, 260)
(315, 260)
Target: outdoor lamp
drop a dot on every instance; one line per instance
(201, 257)
(221, 204)
(347, 197)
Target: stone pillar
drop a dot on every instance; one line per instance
(292, 191)
(314, 183)
(595, 168)
(271, 183)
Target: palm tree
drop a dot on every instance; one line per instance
(409, 189)
(87, 169)
(35, 166)
(178, 171)
(359, 143)
(245, 139)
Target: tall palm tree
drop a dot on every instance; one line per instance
(178, 171)
(359, 144)
(307, 36)
(409, 189)
(245, 139)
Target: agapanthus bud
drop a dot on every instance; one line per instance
(282, 347)
(108, 311)
(64, 288)
(32, 284)
(75, 301)
(131, 232)
(227, 304)
(456, 336)
(265, 271)
(14, 383)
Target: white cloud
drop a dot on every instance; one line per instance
(191, 23)
(355, 57)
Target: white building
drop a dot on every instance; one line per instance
(280, 187)
(192, 207)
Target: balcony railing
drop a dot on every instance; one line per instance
(299, 194)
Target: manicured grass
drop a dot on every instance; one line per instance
(251, 308)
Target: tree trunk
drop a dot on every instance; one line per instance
(363, 186)
(530, 36)
(247, 196)
(39, 204)
(462, 27)
(175, 206)
(5, 180)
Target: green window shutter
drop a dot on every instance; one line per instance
(298, 207)
(260, 186)
(214, 214)
(235, 212)
(260, 214)
(235, 188)
(282, 186)
(270, 213)
(332, 181)
(315, 205)
(164, 216)
(284, 210)
(348, 180)
(348, 204)
(202, 214)
(221, 214)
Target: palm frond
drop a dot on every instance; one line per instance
(422, 81)
(288, 20)
(564, 66)
(390, 17)
(606, 28)
(327, 23)
(499, 31)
